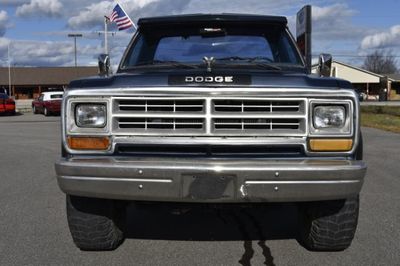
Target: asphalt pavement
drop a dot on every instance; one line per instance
(34, 230)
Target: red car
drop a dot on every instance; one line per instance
(48, 103)
(7, 105)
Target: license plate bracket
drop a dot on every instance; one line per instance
(208, 186)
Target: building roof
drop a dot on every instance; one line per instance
(44, 76)
(212, 18)
(394, 77)
(352, 73)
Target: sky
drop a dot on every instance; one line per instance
(36, 30)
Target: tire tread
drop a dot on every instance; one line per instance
(94, 223)
(331, 225)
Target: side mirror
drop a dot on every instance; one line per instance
(325, 65)
(104, 64)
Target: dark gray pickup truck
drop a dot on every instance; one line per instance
(215, 109)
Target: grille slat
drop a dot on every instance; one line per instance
(219, 117)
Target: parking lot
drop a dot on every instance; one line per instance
(34, 230)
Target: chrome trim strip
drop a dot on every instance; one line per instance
(303, 182)
(117, 179)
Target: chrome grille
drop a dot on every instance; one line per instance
(209, 116)
(160, 123)
(256, 124)
(243, 106)
(145, 105)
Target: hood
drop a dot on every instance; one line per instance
(262, 79)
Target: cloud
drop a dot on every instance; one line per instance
(46, 53)
(49, 8)
(334, 23)
(13, 2)
(3, 22)
(93, 15)
(388, 39)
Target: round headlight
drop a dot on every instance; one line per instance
(329, 117)
(90, 115)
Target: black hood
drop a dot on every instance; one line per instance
(263, 79)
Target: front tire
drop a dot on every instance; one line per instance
(46, 112)
(34, 110)
(95, 224)
(329, 225)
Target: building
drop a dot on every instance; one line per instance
(29, 82)
(374, 85)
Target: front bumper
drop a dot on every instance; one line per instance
(210, 180)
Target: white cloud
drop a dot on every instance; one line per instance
(93, 15)
(3, 22)
(45, 53)
(49, 8)
(13, 2)
(388, 39)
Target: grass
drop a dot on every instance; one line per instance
(381, 117)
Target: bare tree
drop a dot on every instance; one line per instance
(381, 62)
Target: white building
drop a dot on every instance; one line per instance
(370, 83)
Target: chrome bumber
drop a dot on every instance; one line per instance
(202, 180)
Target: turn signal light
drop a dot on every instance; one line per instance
(331, 144)
(89, 143)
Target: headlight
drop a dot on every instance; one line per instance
(90, 115)
(329, 117)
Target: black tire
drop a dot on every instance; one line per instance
(329, 225)
(95, 224)
(34, 110)
(46, 112)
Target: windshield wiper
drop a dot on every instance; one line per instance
(256, 61)
(247, 59)
(164, 63)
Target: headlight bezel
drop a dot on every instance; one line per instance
(348, 126)
(77, 119)
(72, 127)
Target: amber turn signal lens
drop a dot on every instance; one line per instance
(89, 143)
(331, 144)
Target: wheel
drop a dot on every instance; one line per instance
(95, 224)
(46, 112)
(34, 110)
(329, 225)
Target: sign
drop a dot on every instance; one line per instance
(303, 33)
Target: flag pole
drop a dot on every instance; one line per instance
(106, 19)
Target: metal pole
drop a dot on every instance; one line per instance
(105, 35)
(75, 36)
(75, 51)
(9, 71)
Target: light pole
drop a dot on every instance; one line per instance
(75, 35)
(9, 70)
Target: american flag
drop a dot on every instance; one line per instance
(121, 18)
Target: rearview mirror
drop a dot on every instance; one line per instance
(104, 64)
(325, 65)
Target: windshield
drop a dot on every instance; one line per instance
(227, 45)
(56, 96)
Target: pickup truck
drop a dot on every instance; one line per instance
(211, 109)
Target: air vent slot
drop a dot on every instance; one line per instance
(261, 106)
(173, 106)
(160, 123)
(256, 124)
